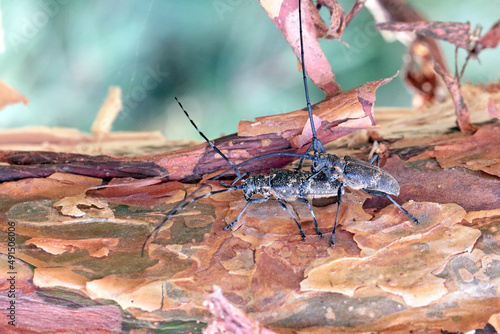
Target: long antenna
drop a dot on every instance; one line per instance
(178, 208)
(236, 170)
(316, 144)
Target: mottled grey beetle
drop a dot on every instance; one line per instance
(328, 177)
(282, 184)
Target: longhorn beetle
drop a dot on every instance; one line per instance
(282, 184)
(328, 177)
(348, 172)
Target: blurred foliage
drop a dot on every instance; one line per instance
(224, 59)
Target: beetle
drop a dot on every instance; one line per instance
(282, 184)
(334, 173)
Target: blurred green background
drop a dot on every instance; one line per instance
(224, 59)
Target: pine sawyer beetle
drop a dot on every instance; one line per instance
(341, 172)
(282, 184)
(328, 177)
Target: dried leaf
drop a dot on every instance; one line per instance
(491, 38)
(461, 109)
(358, 5)
(454, 32)
(108, 112)
(422, 50)
(9, 95)
(337, 20)
(285, 14)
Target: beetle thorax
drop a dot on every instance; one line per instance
(256, 184)
(336, 165)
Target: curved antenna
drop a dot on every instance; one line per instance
(178, 208)
(316, 143)
(236, 170)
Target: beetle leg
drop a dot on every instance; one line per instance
(224, 184)
(252, 200)
(375, 158)
(378, 193)
(339, 200)
(316, 145)
(302, 234)
(303, 200)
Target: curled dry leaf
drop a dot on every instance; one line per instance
(358, 5)
(491, 38)
(337, 20)
(108, 112)
(285, 14)
(422, 50)
(9, 95)
(454, 32)
(461, 109)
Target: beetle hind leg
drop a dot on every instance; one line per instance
(302, 234)
(303, 200)
(378, 193)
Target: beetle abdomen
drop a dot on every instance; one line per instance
(361, 175)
